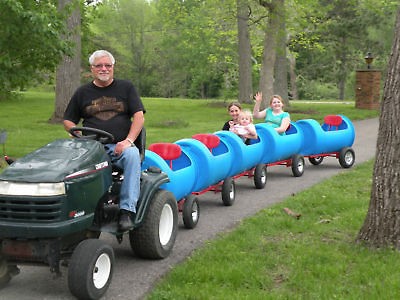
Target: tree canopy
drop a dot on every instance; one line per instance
(171, 48)
(30, 46)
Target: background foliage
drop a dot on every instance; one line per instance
(189, 49)
(30, 43)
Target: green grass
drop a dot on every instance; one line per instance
(167, 120)
(275, 256)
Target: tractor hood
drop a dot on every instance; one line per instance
(57, 161)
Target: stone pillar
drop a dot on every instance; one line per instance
(368, 83)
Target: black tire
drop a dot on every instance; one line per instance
(317, 160)
(155, 238)
(346, 157)
(228, 191)
(90, 269)
(260, 176)
(297, 165)
(191, 212)
(5, 276)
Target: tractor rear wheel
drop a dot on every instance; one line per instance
(156, 236)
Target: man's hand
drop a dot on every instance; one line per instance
(121, 146)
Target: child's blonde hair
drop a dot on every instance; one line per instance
(277, 97)
(246, 112)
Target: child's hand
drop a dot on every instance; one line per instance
(258, 97)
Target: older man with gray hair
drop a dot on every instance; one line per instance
(112, 105)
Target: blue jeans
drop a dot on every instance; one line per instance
(129, 161)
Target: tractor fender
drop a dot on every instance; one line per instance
(151, 180)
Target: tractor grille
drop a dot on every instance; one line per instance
(31, 209)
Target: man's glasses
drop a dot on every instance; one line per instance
(100, 66)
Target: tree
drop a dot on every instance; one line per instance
(244, 52)
(200, 42)
(68, 72)
(30, 46)
(131, 31)
(381, 227)
(273, 26)
(281, 61)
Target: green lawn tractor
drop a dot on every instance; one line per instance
(55, 202)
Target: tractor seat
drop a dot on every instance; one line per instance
(167, 151)
(140, 143)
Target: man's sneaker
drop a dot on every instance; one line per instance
(125, 220)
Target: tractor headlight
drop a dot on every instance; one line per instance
(31, 189)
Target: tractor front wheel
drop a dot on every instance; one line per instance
(5, 276)
(90, 269)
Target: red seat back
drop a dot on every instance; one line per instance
(210, 140)
(333, 121)
(167, 151)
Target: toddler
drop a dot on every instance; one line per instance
(245, 127)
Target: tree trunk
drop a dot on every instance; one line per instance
(381, 227)
(68, 72)
(281, 64)
(244, 50)
(342, 71)
(266, 84)
(293, 77)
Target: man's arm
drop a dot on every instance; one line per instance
(136, 126)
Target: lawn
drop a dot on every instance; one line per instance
(25, 119)
(274, 256)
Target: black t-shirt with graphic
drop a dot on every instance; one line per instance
(107, 108)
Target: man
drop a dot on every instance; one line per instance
(112, 105)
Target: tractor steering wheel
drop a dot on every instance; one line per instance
(102, 136)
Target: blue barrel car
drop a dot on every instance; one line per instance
(211, 161)
(334, 137)
(282, 149)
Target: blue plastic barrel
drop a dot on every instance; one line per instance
(319, 139)
(210, 169)
(280, 147)
(182, 176)
(244, 156)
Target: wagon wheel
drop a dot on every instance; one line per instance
(260, 176)
(297, 165)
(316, 160)
(346, 157)
(191, 212)
(228, 191)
